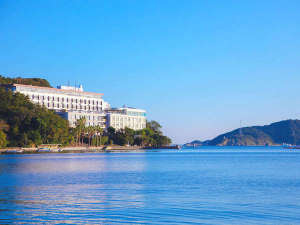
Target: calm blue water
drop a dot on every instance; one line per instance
(193, 186)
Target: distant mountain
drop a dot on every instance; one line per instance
(287, 131)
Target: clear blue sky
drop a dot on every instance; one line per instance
(198, 67)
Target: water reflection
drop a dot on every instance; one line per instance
(70, 187)
(160, 188)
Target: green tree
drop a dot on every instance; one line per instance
(30, 124)
(154, 126)
(28, 81)
(3, 141)
(80, 130)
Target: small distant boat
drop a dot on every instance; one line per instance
(49, 148)
(289, 146)
(164, 147)
(44, 149)
(292, 147)
(14, 151)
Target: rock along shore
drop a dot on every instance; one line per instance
(70, 149)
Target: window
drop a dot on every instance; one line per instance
(67, 100)
(58, 99)
(62, 99)
(48, 105)
(53, 98)
(32, 96)
(84, 101)
(89, 102)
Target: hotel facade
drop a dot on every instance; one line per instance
(73, 103)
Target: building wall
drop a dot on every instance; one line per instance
(72, 105)
(92, 118)
(119, 121)
(59, 99)
(126, 117)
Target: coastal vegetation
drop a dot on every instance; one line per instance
(28, 124)
(287, 131)
(95, 135)
(28, 81)
(25, 124)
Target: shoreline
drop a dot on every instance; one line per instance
(78, 149)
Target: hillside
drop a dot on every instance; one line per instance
(27, 81)
(287, 131)
(23, 123)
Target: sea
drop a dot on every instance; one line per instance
(205, 185)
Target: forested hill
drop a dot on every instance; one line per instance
(28, 81)
(23, 123)
(287, 131)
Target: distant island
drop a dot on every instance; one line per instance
(286, 131)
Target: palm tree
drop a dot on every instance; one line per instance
(99, 131)
(90, 133)
(80, 128)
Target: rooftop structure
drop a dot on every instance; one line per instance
(80, 88)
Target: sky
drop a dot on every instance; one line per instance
(199, 68)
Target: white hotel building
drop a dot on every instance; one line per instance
(120, 118)
(73, 103)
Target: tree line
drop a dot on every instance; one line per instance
(27, 81)
(96, 136)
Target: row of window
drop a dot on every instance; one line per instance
(89, 117)
(67, 106)
(62, 99)
(92, 124)
(126, 118)
(120, 125)
(136, 113)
